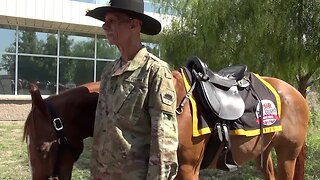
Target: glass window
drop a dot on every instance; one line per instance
(74, 72)
(102, 2)
(8, 42)
(152, 47)
(34, 41)
(39, 70)
(86, 1)
(105, 50)
(76, 45)
(7, 73)
(149, 7)
(100, 67)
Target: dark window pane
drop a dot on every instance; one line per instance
(7, 74)
(39, 70)
(74, 72)
(8, 42)
(76, 45)
(100, 67)
(105, 50)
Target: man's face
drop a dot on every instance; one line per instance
(117, 28)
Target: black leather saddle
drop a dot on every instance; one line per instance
(218, 92)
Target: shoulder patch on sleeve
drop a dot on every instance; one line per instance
(168, 97)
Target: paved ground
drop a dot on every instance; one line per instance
(14, 112)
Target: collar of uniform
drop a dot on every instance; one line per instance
(116, 67)
(139, 60)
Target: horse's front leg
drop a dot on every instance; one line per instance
(190, 156)
(190, 150)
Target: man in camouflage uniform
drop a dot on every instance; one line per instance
(135, 134)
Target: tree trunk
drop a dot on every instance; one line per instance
(302, 85)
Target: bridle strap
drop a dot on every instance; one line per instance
(61, 139)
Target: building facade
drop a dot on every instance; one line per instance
(53, 44)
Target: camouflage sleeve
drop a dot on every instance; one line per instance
(100, 114)
(163, 163)
(100, 110)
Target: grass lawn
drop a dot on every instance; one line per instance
(13, 154)
(14, 158)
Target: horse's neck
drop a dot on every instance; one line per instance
(86, 114)
(77, 109)
(179, 85)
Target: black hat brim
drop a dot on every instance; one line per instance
(150, 26)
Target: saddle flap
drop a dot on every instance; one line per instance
(227, 104)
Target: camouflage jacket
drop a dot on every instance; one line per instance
(135, 134)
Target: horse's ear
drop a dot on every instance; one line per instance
(36, 98)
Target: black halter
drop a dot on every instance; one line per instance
(62, 141)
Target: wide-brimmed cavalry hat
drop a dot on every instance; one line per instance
(134, 9)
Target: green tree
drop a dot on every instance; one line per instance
(105, 50)
(28, 65)
(274, 38)
(8, 61)
(66, 65)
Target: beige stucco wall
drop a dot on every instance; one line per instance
(14, 110)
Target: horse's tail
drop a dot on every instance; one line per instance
(300, 162)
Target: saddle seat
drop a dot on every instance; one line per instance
(218, 92)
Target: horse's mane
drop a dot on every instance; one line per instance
(71, 93)
(26, 125)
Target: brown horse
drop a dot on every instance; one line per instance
(76, 110)
(49, 157)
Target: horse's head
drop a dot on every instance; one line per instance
(55, 129)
